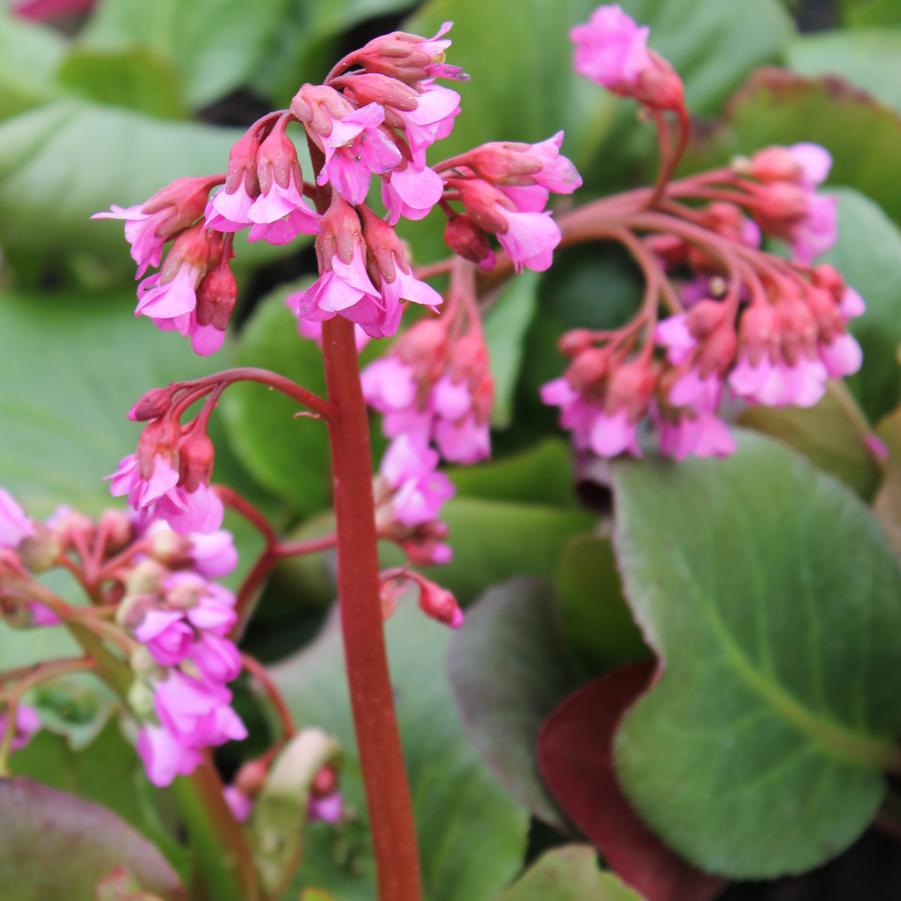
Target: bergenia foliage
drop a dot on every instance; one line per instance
(754, 599)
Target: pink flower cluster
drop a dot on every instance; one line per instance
(183, 620)
(27, 724)
(194, 292)
(612, 50)
(168, 477)
(436, 390)
(365, 274)
(784, 350)
(504, 188)
(785, 202)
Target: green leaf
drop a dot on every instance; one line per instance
(214, 45)
(865, 13)
(569, 873)
(543, 474)
(494, 540)
(824, 435)
(779, 107)
(506, 323)
(508, 673)
(887, 505)
(56, 845)
(868, 254)
(868, 58)
(772, 598)
(66, 160)
(29, 55)
(70, 368)
(132, 78)
(288, 454)
(307, 40)
(596, 625)
(471, 835)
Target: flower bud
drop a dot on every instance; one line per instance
(217, 295)
(196, 455)
(439, 604)
(465, 238)
(151, 405)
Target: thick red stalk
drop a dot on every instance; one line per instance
(366, 661)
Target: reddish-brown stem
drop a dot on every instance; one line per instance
(671, 160)
(258, 672)
(265, 377)
(366, 661)
(246, 509)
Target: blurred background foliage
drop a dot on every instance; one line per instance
(107, 105)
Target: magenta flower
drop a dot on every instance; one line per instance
(411, 192)
(431, 121)
(529, 239)
(167, 636)
(149, 225)
(164, 756)
(238, 803)
(217, 658)
(817, 231)
(214, 555)
(326, 809)
(675, 335)
(408, 57)
(695, 434)
(280, 213)
(27, 724)
(197, 712)
(14, 524)
(611, 49)
(409, 467)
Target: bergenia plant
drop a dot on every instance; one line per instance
(736, 313)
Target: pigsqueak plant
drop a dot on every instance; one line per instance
(736, 315)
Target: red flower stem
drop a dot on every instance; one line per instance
(258, 672)
(372, 700)
(244, 508)
(671, 160)
(265, 377)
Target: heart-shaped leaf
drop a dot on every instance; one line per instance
(56, 845)
(508, 672)
(774, 602)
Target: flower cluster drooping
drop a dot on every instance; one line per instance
(745, 323)
(182, 620)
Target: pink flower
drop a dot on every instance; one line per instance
(779, 384)
(164, 756)
(674, 334)
(813, 162)
(841, 356)
(409, 467)
(693, 390)
(312, 331)
(214, 555)
(28, 722)
(187, 511)
(408, 57)
(695, 434)
(851, 304)
(614, 434)
(280, 213)
(411, 192)
(149, 225)
(238, 803)
(431, 121)
(325, 809)
(167, 636)
(14, 524)
(817, 231)
(611, 49)
(195, 712)
(217, 658)
(530, 240)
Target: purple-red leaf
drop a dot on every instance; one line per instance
(575, 756)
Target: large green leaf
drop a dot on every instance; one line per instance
(506, 323)
(868, 58)
(472, 836)
(133, 78)
(780, 107)
(289, 455)
(868, 254)
(56, 845)
(70, 367)
(508, 672)
(866, 13)
(595, 623)
(66, 160)
(494, 540)
(29, 55)
(569, 873)
(214, 45)
(774, 602)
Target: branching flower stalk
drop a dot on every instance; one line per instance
(743, 323)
